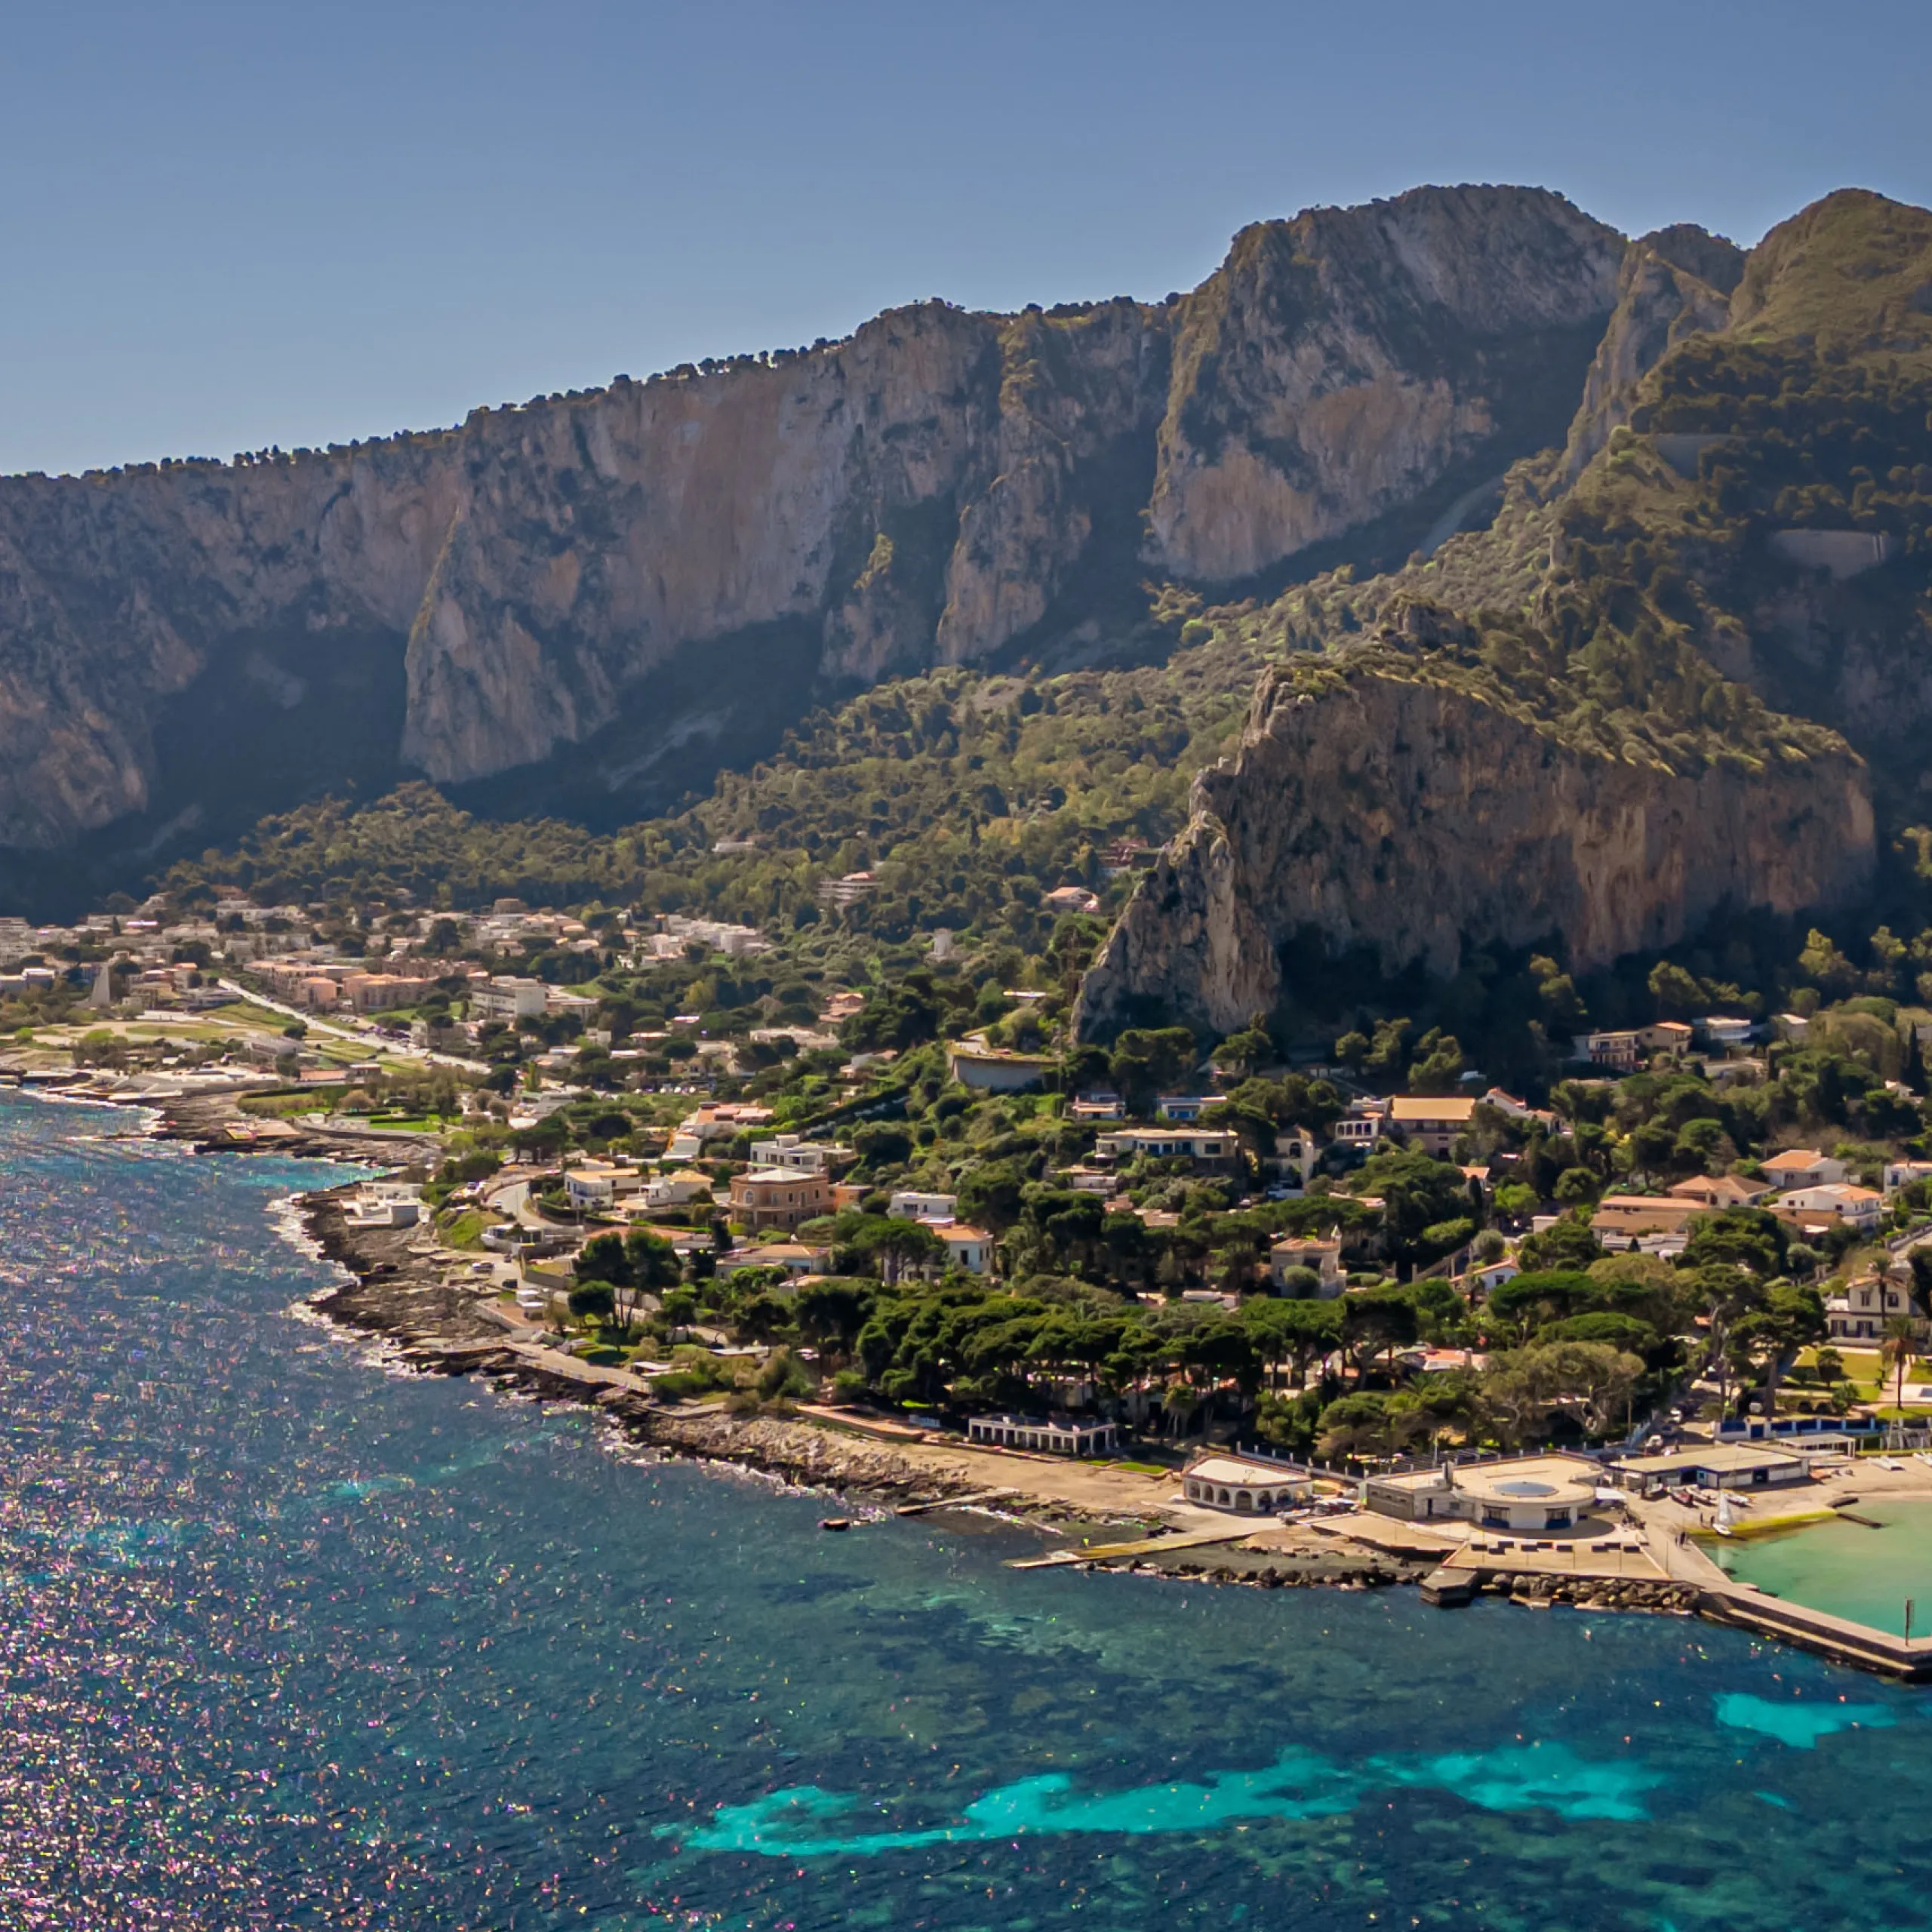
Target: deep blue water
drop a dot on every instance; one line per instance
(285, 1640)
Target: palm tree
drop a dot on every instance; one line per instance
(1900, 1345)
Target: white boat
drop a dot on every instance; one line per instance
(1721, 1523)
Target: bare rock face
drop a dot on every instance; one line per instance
(931, 490)
(1341, 362)
(1672, 285)
(1411, 819)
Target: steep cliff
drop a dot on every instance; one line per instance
(1408, 819)
(1346, 360)
(1672, 284)
(469, 602)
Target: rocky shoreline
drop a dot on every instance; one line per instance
(395, 1294)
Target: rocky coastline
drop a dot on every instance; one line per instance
(394, 1294)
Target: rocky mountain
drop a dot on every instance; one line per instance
(1585, 581)
(1394, 817)
(611, 593)
(1685, 666)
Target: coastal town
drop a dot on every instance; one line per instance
(876, 1219)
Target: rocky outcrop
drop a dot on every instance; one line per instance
(1672, 285)
(1409, 819)
(934, 488)
(1344, 361)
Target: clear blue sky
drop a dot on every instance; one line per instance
(226, 226)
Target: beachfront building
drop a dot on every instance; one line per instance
(1235, 1483)
(1062, 1437)
(1526, 1495)
(1710, 1466)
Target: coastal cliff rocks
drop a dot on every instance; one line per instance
(1409, 819)
(1343, 362)
(935, 488)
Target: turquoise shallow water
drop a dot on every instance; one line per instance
(285, 1641)
(1847, 1569)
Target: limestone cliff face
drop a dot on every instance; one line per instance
(1672, 284)
(1411, 819)
(1339, 363)
(930, 490)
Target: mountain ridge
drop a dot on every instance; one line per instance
(938, 487)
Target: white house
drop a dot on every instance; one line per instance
(1236, 1484)
(1860, 1313)
(991, 1071)
(1057, 1438)
(966, 1247)
(597, 1184)
(1098, 1105)
(799, 1155)
(507, 997)
(1203, 1148)
(1902, 1173)
(1859, 1207)
(1526, 1494)
(1183, 1107)
(676, 1190)
(1295, 1155)
(1725, 1029)
(1803, 1167)
(908, 1205)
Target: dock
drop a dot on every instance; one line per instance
(1447, 1589)
(1107, 1552)
(978, 1495)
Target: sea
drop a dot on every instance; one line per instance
(291, 1638)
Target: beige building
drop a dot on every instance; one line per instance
(1528, 1495)
(1205, 1147)
(1624, 1217)
(1719, 1191)
(1324, 1255)
(771, 1198)
(1432, 1121)
(1235, 1483)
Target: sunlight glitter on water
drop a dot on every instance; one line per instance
(285, 1640)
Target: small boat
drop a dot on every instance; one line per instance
(834, 1522)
